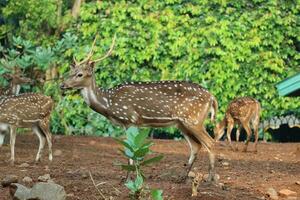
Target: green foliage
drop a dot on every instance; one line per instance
(233, 48)
(137, 148)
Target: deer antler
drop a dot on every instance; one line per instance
(89, 56)
(109, 51)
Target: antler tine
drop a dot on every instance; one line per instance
(75, 61)
(89, 56)
(109, 51)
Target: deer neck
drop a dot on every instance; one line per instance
(97, 99)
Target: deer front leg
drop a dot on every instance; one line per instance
(12, 144)
(238, 131)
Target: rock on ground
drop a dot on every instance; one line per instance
(287, 193)
(41, 191)
(27, 179)
(44, 178)
(8, 180)
(272, 193)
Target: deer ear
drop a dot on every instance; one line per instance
(91, 67)
(72, 66)
(7, 76)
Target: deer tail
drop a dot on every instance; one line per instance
(213, 109)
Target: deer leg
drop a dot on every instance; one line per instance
(205, 140)
(248, 130)
(42, 140)
(255, 127)
(238, 131)
(13, 136)
(194, 148)
(45, 128)
(228, 134)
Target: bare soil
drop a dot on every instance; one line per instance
(248, 175)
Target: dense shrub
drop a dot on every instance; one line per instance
(234, 48)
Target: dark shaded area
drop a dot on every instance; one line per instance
(296, 93)
(285, 134)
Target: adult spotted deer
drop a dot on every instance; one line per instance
(16, 79)
(27, 110)
(150, 104)
(242, 111)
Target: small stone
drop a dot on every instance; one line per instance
(27, 179)
(92, 142)
(44, 178)
(292, 198)
(225, 164)
(191, 174)
(57, 152)
(24, 165)
(297, 182)
(8, 180)
(272, 193)
(287, 193)
(47, 168)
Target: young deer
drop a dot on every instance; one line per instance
(16, 80)
(27, 110)
(242, 111)
(150, 104)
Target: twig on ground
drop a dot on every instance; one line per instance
(101, 194)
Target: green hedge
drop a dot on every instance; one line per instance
(234, 48)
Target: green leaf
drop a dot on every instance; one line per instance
(124, 143)
(152, 160)
(140, 139)
(129, 168)
(157, 194)
(139, 182)
(142, 152)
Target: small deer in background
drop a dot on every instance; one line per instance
(27, 110)
(242, 111)
(150, 104)
(16, 79)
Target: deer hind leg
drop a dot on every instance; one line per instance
(42, 141)
(205, 140)
(194, 149)
(228, 134)
(248, 131)
(44, 126)
(13, 136)
(255, 124)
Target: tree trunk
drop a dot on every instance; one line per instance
(76, 8)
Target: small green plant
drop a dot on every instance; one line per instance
(136, 148)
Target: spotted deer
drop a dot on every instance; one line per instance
(16, 79)
(150, 104)
(27, 110)
(242, 111)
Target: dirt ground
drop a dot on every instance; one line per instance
(247, 176)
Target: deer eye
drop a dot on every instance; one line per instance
(79, 75)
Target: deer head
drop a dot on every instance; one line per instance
(219, 130)
(16, 77)
(81, 74)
